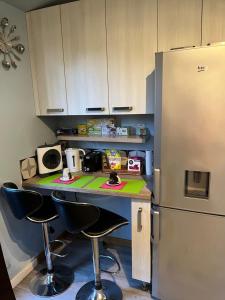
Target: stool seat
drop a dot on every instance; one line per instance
(46, 213)
(107, 222)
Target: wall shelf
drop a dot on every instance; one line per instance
(103, 139)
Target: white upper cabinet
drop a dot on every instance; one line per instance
(84, 43)
(213, 21)
(97, 57)
(46, 53)
(179, 23)
(131, 43)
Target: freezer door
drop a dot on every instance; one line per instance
(190, 125)
(189, 257)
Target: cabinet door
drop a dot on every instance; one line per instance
(46, 53)
(141, 235)
(84, 42)
(131, 45)
(213, 21)
(179, 23)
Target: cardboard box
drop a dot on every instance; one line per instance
(82, 129)
(134, 165)
(122, 131)
(100, 126)
(141, 129)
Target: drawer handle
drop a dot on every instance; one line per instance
(123, 108)
(139, 221)
(95, 109)
(54, 110)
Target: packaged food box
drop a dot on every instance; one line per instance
(94, 127)
(134, 165)
(124, 164)
(114, 159)
(115, 163)
(124, 159)
(122, 131)
(105, 131)
(100, 126)
(108, 127)
(82, 129)
(141, 129)
(95, 131)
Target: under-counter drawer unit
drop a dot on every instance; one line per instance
(141, 239)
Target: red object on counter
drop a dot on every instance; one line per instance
(114, 187)
(58, 180)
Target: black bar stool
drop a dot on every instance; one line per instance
(95, 223)
(41, 210)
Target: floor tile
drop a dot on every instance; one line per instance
(80, 260)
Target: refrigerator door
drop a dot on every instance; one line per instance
(188, 259)
(190, 124)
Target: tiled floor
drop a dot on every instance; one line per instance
(80, 260)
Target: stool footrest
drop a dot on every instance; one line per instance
(58, 246)
(112, 259)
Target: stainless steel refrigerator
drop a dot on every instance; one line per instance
(188, 214)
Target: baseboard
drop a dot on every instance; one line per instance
(24, 272)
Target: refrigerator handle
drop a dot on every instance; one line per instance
(156, 190)
(155, 235)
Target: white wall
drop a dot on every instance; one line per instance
(21, 133)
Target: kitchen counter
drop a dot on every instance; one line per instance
(144, 194)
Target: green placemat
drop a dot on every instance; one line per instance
(82, 181)
(133, 186)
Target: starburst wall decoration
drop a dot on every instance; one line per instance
(10, 47)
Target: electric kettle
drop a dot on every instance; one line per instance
(73, 159)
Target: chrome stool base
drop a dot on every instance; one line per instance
(48, 285)
(110, 291)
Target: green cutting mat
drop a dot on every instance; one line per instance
(133, 186)
(82, 181)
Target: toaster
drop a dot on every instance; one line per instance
(92, 161)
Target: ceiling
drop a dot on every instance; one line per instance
(27, 5)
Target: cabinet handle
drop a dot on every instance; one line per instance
(54, 110)
(182, 47)
(139, 223)
(123, 108)
(95, 109)
(155, 236)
